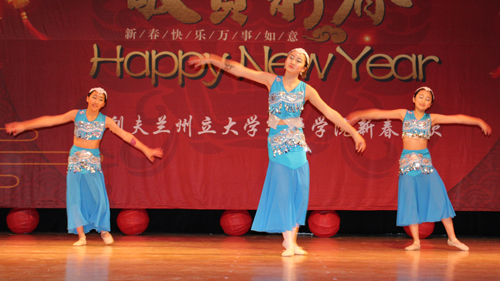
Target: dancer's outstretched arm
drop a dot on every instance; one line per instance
(129, 138)
(375, 114)
(461, 119)
(234, 68)
(332, 115)
(16, 128)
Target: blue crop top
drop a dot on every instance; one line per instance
(283, 104)
(85, 129)
(413, 128)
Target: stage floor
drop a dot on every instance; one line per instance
(249, 257)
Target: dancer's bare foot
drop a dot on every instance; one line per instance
(458, 244)
(289, 250)
(107, 238)
(413, 247)
(299, 251)
(80, 242)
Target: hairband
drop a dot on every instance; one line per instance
(100, 91)
(301, 51)
(427, 89)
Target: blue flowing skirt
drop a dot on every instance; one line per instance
(87, 202)
(422, 197)
(285, 195)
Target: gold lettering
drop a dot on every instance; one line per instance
(403, 3)
(97, 60)
(378, 16)
(176, 8)
(370, 64)
(245, 56)
(328, 65)
(422, 63)
(287, 8)
(267, 49)
(412, 59)
(128, 61)
(155, 61)
(177, 65)
(354, 63)
(313, 20)
(181, 58)
(393, 64)
(272, 64)
(217, 74)
(222, 10)
(345, 9)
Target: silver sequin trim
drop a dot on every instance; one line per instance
(415, 162)
(84, 160)
(292, 102)
(417, 129)
(286, 140)
(88, 130)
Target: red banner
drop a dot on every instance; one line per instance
(212, 126)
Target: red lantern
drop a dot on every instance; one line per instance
(133, 221)
(424, 230)
(324, 223)
(22, 220)
(235, 222)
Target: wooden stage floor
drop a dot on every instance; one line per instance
(249, 257)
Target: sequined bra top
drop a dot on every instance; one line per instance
(286, 106)
(85, 129)
(418, 129)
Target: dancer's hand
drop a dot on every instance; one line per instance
(199, 61)
(485, 128)
(352, 118)
(152, 153)
(360, 143)
(14, 128)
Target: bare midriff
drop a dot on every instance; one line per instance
(83, 143)
(414, 143)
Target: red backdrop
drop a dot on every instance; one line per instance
(213, 128)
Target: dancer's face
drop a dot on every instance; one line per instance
(422, 100)
(96, 101)
(295, 62)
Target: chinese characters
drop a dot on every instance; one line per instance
(252, 126)
(236, 12)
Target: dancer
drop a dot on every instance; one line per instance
(422, 196)
(283, 203)
(87, 204)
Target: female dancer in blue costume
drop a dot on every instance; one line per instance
(87, 202)
(283, 203)
(422, 196)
